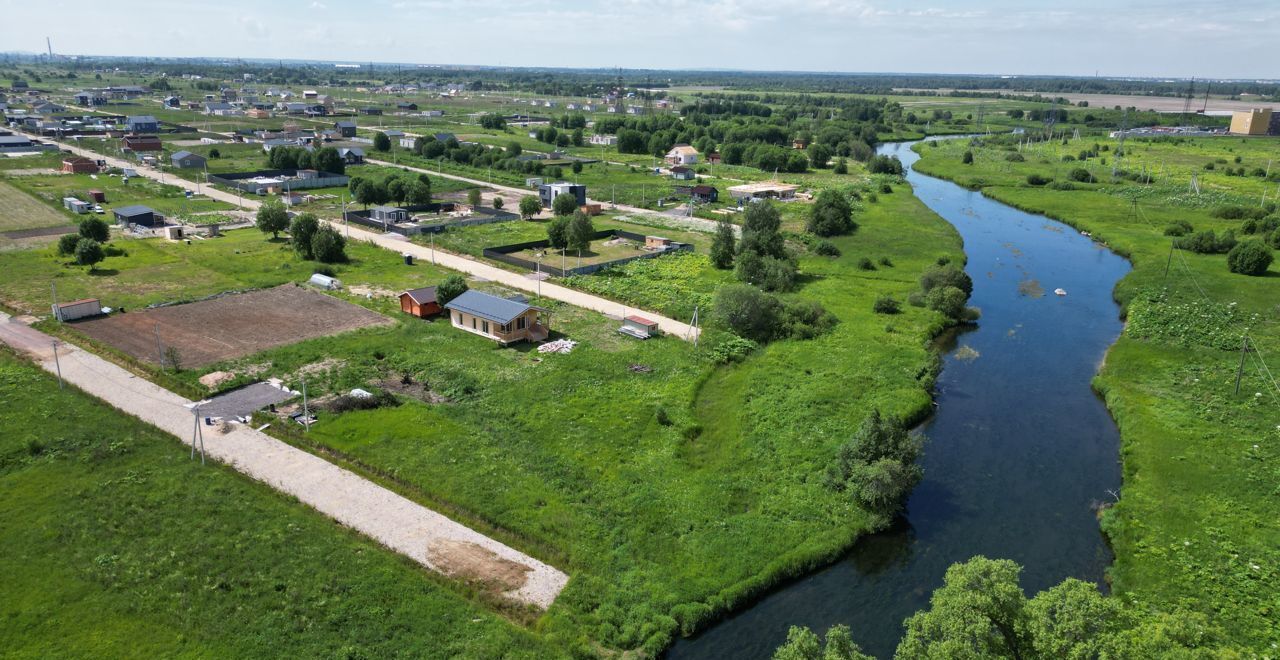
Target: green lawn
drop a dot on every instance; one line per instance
(1197, 524)
(116, 544)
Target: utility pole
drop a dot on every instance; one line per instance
(197, 434)
(306, 410)
(1244, 347)
(57, 363)
(159, 351)
(1168, 263)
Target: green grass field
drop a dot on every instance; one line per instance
(1196, 525)
(115, 543)
(22, 211)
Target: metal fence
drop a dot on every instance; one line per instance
(503, 253)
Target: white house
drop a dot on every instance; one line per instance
(604, 140)
(682, 154)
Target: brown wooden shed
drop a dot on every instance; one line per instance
(420, 302)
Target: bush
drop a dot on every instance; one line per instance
(1178, 228)
(826, 248)
(67, 244)
(967, 158)
(1081, 175)
(564, 204)
(865, 263)
(1014, 157)
(948, 300)
(877, 467)
(748, 312)
(347, 402)
(831, 214)
(1061, 185)
(886, 189)
(730, 348)
(1273, 239)
(805, 319)
(1206, 242)
(1038, 180)
(944, 274)
(886, 305)
(1239, 212)
(662, 416)
(1250, 258)
(886, 262)
(328, 246)
(89, 252)
(301, 232)
(450, 287)
(1249, 226)
(95, 229)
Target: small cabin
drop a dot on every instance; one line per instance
(98, 196)
(174, 232)
(502, 320)
(657, 243)
(639, 327)
(74, 205)
(420, 302)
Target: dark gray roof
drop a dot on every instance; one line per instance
(426, 294)
(387, 209)
(14, 140)
(181, 154)
(133, 211)
(485, 306)
(142, 119)
(345, 124)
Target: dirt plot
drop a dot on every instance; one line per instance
(230, 326)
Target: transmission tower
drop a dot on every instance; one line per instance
(1186, 106)
(1051, 118)
(1124, 132)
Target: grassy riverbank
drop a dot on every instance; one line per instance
(1196, 526)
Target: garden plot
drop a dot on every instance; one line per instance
(230, 326)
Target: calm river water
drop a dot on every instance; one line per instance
(1017, 455)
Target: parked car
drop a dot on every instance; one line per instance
(98, 209)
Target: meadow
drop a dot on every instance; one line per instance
(116, 543)
(1195, 526)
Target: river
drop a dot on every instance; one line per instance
(1017, 456)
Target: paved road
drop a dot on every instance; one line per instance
(441, 257)
(397, 523)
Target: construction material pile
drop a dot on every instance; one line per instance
(558, 346)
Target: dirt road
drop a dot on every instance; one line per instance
(432, 540)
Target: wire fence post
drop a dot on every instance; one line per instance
(57, 363)
(1244, 348)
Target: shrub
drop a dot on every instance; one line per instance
(947, 300)
(723, 246)
(1178, 228)
(67, 244)
(1273, 239)
(1209, 166)
(1249, 226)
(728, 348)
(944, 275)
(1038, 180)
(1250, 258)
(967, 158)
(1206, 242)
(1061, 185)
(1238, 212)
(1067, 158)
(328, 246)
(877, 467)
(886, 305)
(1081, 175)
(564, 204)
(348, 402)
(831, 214)
(805, 319)
(886, 261)
(886, 189)
(450, 287)
(301, 232)
(748, 312)
(825, 248)
(865, 263)
(1014, 157)
(89, 252)
(95, 229)
(662, 416)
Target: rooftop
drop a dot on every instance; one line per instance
(489, 307)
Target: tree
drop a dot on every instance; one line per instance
(473, 197)
(803, 644)
(301, 232)
(397, 190)
(381, 142)
(558, 232)
(214, 153)
(514, 149)
(967, 159)
(353, 184)
(762, 254)
(878, 466)
(576, 167)
(328, 246)
(449, 288)
(946, 274)
(579, 232)
(272, 218)
(95, 229)
(67, 244)
(1250, 258)
(978, 612)
(1074, 620)
(89, 252)
(948, 300)
(371, 192)
(831, 214)
(529, 207)
(564, 204)
(417, 192)
(747, 311)
(723, 246)
(841, 167)
(497, 202)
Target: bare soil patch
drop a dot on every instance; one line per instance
(467, 561)
(230, 326)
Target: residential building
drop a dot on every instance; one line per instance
(548, 192)
(138, 215)
(345, 128)
(405, 106)
(420, 302)
(751, 192)
(407, 142)
(186, 159)
(604, 140)
(682, 173)
(388, 214)
(682, 154)
(137, 143)
(142, 124)
(352, 155)
(502, 320)
(78, 165)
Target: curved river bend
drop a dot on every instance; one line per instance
(1016, 457)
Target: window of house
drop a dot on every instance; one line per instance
(520, 323)
(473, 323)
(485, 326)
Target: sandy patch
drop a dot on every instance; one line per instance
(213, 379)
(473, 563)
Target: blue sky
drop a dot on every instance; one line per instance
(1235, 39)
